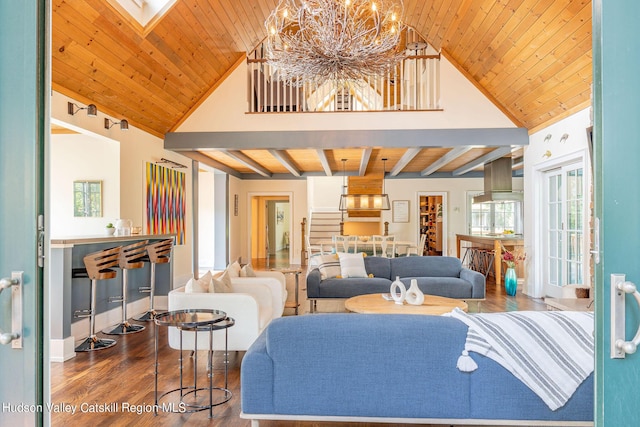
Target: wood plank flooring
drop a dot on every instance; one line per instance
(118, 383)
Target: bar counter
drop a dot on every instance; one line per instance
(495, 242)
(68, 294)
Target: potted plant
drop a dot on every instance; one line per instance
(110, 229)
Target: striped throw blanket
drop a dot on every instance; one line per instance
(549, 351)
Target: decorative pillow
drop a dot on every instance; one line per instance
(352, 265)
(234, 269)
(221, 283)
(200, 285)
(329, 266)
(247, 271)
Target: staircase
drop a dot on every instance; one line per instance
(323, 225)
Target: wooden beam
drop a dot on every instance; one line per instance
(206, 160)
(322, 156)
(445, 160)
(340, 139)
(489, 157)
(286, 161)
(248, 162)
(364, 161)
(404, 160)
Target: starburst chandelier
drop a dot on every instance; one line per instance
(339, 40)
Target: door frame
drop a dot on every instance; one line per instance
(539, 207)
(445, 208)
(249, 219)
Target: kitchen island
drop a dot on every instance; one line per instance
(495, 242)
(68, 294)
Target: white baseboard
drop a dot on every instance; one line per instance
(61, 350)
(80, 328)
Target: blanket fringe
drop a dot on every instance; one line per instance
(466, 363)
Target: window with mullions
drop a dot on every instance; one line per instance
(494, 218)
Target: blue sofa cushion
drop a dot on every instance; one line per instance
(450, 287)
(428, 266)
(366, 365)
(378, 266)
(350, 287)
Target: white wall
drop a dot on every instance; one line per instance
(463, 105)
(78, 157)
(136, 148)
(536, 161)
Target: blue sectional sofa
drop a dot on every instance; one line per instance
(387, 368)
(436, 275)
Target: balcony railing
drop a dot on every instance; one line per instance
(413, 85)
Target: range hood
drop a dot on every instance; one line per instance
(497, 183)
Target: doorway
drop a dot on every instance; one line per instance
(270, 231)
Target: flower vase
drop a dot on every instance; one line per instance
(510, 281)
(396, 286)
(414, 294)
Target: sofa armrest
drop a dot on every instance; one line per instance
(242, 307)
(278, 292)
(274, 274)
(313, 283)
(477, 280)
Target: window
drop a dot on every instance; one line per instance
(87, 198)
(494, 218)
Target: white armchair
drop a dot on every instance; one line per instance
(250, 304)
(275, 281)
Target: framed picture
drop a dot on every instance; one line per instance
(400, 211)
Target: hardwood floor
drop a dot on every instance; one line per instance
(115, 387)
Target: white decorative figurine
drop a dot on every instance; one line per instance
(398, 298)
(414, 294)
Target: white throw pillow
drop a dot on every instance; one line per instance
(221, 283)
(352, 265)
(329, 266)
(200, 285)
(234, 269)
(247, 271)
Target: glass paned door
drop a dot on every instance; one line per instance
(565, 226)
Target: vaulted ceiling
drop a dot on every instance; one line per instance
(532, 58)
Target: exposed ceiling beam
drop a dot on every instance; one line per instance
(364, 161)
(206, 160)
(286, 161)
(445, 160)
(248, 162)
(404, 160)
(489, 157)
(339, 139)
(325, 163)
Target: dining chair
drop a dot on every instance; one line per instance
(344, 243)
(418, 250)
(386, 244)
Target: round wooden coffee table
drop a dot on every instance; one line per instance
(375, 304)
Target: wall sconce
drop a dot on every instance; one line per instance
(92, 110)
(108, 123)
(547, 138)
(564, 137)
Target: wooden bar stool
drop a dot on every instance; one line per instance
(98, 267)
(159, 253)
(131, 257)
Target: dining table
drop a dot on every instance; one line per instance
(495, 242)
(366, 244)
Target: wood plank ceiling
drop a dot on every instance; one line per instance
(532, 58)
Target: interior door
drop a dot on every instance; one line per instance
(564, 221)
(22, 126)
(616, 49)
